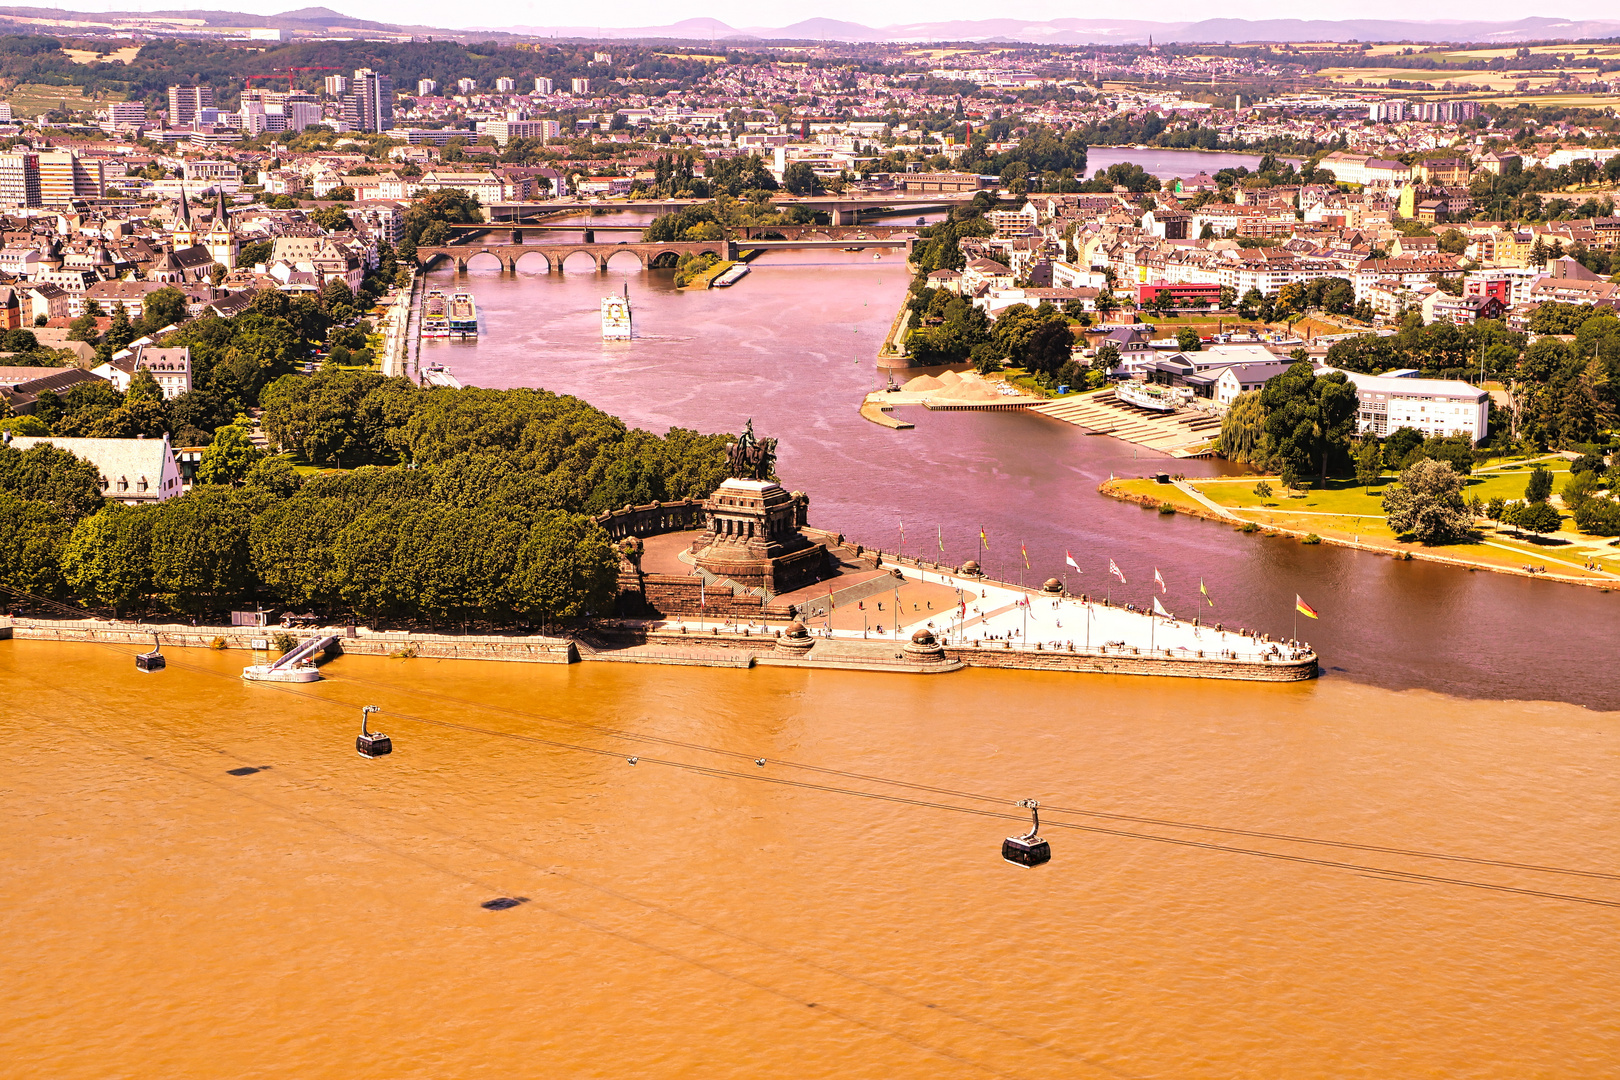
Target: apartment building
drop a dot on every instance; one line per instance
(1439, 408)
(186, 103)
(19, 180)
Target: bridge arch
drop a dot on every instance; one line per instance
(615, 260)
(576, 256)
(533, 262)
(484, 259)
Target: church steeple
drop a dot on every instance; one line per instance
(184, 234)
(182, 214)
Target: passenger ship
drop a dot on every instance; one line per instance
(616, 317)
(463, 315)
(435, 316)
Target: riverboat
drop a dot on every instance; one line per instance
(439, 375)
(463, 315)
(291, 673)
(731, 277)
(616, 317)
(435, 315)
(1145, 395)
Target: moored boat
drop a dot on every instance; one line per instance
(463, 315)
(1145, 395)
(616, 317)
(435, 315)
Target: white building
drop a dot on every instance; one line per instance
(504, 85)
(542, 86)
(426, 87)
(1438, 408)
(133, 471)
(171, 368)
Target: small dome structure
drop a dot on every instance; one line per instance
(970, 567)
(1053, 585)
(923, 636)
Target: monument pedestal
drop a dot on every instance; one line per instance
(752, 537)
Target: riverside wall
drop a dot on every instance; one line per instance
(534, 649)
(1125, 663)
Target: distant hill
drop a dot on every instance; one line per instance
(320, 20)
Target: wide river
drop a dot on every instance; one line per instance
(1406, 868)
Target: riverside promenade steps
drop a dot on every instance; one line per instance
(1100, 411)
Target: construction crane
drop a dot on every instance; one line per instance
(284, 73)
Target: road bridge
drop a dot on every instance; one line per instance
(555, 255)
(845, 209)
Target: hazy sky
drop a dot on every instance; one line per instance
(887, 12)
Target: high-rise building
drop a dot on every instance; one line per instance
(542, 86)
(602, 58)
(582, 86)
(369, 106)
(19, 179)
(466, 86)
(336, 85)
(127, 114)
(5, 112)
(186, 101)
(65, 176)
(505, 85)
(426, 88)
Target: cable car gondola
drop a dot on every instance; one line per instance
(1027, 850)
(151, 661)
(372, 743)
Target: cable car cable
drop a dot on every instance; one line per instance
(1101, 830)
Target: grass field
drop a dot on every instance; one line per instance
(1342, 513)
(31, 99)
(1495, 80)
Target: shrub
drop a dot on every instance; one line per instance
(1166, 508)
(1311, 538)
(1249, 527)
(217, 644)
(285, 642)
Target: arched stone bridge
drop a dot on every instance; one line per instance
(557, 254)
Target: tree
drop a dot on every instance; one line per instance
(84, 328)
(29, 559)
(120, 333)
(801, 179)
(164, 308)
(228, 458)
(332, 218)
(19, 341)
(1427, 503)
(66, 483)
(1537, 517)
(565, 569)
(1187, 340)
(108, 557)
(1369, 464)
(1400, 443)
(1539, 487)
(199, 551)
(1049, 347)
(1243, 431)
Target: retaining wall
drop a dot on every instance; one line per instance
(1126, 664)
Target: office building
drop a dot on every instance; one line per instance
(504, 131)
(582, 86)
(542, 86)
(19, 180)
(505, 86)
(1438, 408)
(426, 88)
(369, 105)
(336, 85)
(127, 114)
(187, 101)
(65, 176)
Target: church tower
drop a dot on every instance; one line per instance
(184, 234)
(220, 239)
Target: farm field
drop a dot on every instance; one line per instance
(31, 99)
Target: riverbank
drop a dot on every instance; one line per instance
(1231, 501)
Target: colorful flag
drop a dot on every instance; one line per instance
(1025, 553)
(984, 539)
(1158, 577)
(1158, 609)
(1205, 592)
(902, 532)
(1070, 560)
(941, 533)
(1114, 569)
(1303, 608)
(832, 605)
(703, 593)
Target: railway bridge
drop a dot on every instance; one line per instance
(555, 255)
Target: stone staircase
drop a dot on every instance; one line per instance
(1101, 412)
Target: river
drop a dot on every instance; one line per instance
(1406, 868)
(203, 879)
(792, 347)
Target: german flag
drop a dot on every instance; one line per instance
(1303, 608)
